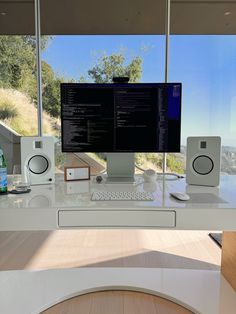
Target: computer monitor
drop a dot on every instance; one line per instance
(121, 118)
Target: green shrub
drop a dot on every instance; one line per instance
(7, 110)
(139, 159)
(175, 164)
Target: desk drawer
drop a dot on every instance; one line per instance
(116, 218)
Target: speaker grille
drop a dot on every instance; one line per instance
(203, 164)
(38, 164)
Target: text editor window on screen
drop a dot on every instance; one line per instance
(121, 117)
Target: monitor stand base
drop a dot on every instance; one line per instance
(120, 168)
(116, 180)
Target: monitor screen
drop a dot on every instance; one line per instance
(140, 117)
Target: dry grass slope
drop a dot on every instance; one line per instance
(24, 119)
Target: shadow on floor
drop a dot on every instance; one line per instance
(153, 259)
(30, 250)
(19, 247)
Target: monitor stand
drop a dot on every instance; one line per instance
(120, 168)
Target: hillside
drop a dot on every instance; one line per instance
(19, 113)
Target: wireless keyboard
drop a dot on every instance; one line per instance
(122, 196)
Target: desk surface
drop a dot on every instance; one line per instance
(68, 205)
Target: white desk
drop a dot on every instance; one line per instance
(69, 205)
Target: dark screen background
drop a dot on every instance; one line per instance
(121, 117)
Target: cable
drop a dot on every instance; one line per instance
(139, 168)
(179, 176)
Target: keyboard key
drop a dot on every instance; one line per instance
(122, 196)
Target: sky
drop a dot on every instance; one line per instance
(206, 66)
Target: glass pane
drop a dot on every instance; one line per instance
(98, 59)
(18, 88)
(81, 45)
(206, 66)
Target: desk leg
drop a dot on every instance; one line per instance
(228, 259)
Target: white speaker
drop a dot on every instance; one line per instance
(37, 157)
(203, 160)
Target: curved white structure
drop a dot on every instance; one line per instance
(35, 291)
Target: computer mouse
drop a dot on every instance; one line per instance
(180, 196)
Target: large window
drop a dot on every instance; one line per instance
(206, 65)
(18, 87)
(97, 59)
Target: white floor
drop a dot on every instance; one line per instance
(29, 292)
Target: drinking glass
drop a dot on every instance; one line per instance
(20, 182)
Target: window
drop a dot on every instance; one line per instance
(206, 66)
(97, 59)
(18, 88)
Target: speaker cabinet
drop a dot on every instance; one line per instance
(37, 157)
(203, 160)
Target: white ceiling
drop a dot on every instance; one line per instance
(119, 17)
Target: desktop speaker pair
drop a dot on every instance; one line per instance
(203, 160)
(37, 159)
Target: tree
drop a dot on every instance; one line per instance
(51, 90)
(18, 63)
(32, 41)
(18, 70)
(115, 64)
